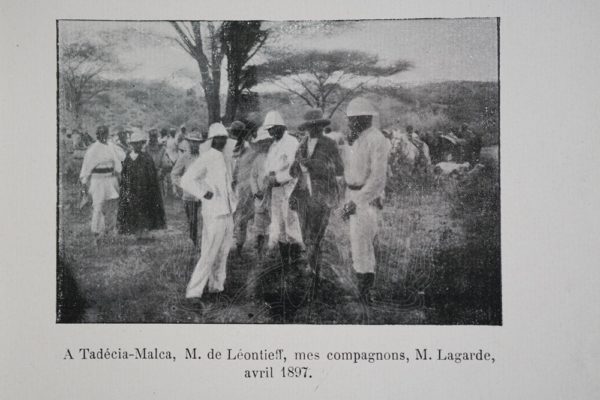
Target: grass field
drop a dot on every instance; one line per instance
(438, 263)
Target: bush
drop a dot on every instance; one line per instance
(467, 283)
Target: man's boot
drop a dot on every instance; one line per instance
(295, 251)
(260, 244)
(284, 251)
(367, 293)
(365, 283)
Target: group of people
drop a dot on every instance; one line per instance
(122, 180)
(290, 185)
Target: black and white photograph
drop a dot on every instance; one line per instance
(328, 172)
(300, 200)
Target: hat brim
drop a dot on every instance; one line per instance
(192, 139)
(261, 139)
(318, 122)
(230, 129)
(267, 127)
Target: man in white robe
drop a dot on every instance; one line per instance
(171, 145)
(119, 143)
(101, 169)
(365, 161)
(209, 179)
(285, 225)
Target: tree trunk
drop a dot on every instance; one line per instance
(230, 106)
(214, 105)
(233, 99)
(211, 92)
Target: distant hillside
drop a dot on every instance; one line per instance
(433, 106)
(143, 104)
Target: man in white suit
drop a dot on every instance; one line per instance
(365, 161)
(285, 224)
(209, 179)
(101, 169)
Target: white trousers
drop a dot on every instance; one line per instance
(104, 190)
(217, 238)
(104, 215)
(363, 228)
(285, 225)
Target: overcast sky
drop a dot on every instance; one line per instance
(447, 49)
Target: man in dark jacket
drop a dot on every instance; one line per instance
(318, 165)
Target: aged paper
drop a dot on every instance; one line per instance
(538, 340)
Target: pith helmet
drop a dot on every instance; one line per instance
(217, 129)
(137, 136)
(360, 106)
(273, 118)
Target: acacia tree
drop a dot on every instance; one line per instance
(80, 66)
(325, 79)
(206, 48)
(241, 40)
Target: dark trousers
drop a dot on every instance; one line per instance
(191, 212)
(314, 217)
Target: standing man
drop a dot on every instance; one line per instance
(285, 225)
(119, 143)
(167, 161)
(164, 135)
(154, 149)
(209, 179)
(171, 146)
(259, 189)
(261, 200)
(101, 168)
(182, 133)
(321, 165)
(365, 168)
(191, 204)
(123, 141)
(241, 184)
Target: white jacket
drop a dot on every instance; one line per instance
(280, 157)
(365, 164)
(211, 173)
(99, 155)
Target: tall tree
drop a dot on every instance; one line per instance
(80, 66)
(241, 40)
(206, 48)
(325, 79)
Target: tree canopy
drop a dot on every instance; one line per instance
(325, 79)
(241, 40)
(81, 64)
